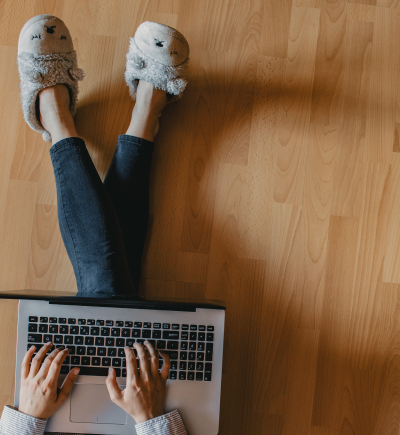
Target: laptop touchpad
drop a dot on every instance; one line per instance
(91, 403)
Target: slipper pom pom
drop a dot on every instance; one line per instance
(176, 86)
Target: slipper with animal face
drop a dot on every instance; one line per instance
(46, 57)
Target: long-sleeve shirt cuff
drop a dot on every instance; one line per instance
(13, 422)
(167, 424)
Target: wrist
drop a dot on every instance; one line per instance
(146, 417)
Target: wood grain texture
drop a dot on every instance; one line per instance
(274, 187)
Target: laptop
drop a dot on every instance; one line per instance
(96, 331)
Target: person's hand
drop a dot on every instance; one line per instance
(38, 393)
(144, 394)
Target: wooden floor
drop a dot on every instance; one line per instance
(275, 186)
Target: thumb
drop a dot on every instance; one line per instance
(112, 386)
(67, 385)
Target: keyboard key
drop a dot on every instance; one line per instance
(91, 322)
(184, 345)
(44, 328)
(47, 338)
(157, 325)
(210, 336)
(78, 339)
(100, 322)
(183, 356)
(192, 345)
(172, 355)
(137, 324)
(210, 328)
(207, 372)
(209, 351)
(62, 320)
(182, 376)
(74, 329)
(119, 323)
(33, 319)
(71, 349)
(64, 329)
(191, 365)
(172, 374)
(128, 324)
(140, 341)
(112, 351)
(184, 336)
(136, 333)
(201, 336)
(193, 327)
(146, 334)
(101, 351)
(192, 356)
(105, 332)
(81, 350)
(193, 336)
(81, 321)
(96, 361)
(156, 334)
(99, 341)
(44, 319)
(64, 370)
(106, 362)
(202, 327)
(110, 341)
(95, 330)
(53, 320)
(174, 365)
(129, 342)
(182, 365)
(172, 345)
(84, 330)
(166, 325)
(58, 339)
(185, 327)
(200, 356)
(32, 327)
(175, 326)
(91, 350)
(190, 376)
(85, 361)
(199, 376)
(123, 373)
(68, 339)
(121, 352)
(71, 321)
(53, 329)
(120, 342)
(75, 360)
(97, 371)
(109, 322)
(126, 332)
(116, 362)
(170, 335)
(146, 325)
(124, 362)
(200, 347)
(199, 366)
(89, 341)
(115, 332)
(161, 344)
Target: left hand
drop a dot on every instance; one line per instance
(38, 393)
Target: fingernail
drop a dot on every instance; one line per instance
(146, 342)
(110, 371)
(32, 347)
(76, 371)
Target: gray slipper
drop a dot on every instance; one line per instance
(159, 55)
(46, 57)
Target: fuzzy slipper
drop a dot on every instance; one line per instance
(159, 55)
(46, 57)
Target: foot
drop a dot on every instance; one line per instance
(149, 104)
(55, 115)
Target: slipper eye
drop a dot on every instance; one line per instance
(63, 37)
(35, 36)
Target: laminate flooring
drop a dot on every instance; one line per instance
(274, 187)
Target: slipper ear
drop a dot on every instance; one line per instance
(76, 73)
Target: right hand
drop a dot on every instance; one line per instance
(144, 394)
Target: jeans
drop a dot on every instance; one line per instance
(103, 225)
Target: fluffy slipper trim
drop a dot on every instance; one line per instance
(40, 72)
(139, 66)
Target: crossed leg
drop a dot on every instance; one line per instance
(103, 225)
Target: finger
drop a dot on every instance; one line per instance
(166, 366)
(112, 386)
(26, 361)
(54, 370)
(143, 362)
(131, 367)
(67, 385)
(154, 361)
(43, 371)
(39, 358)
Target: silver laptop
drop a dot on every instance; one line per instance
(96, 331)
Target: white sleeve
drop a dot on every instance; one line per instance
(167, 424)
(13, 422)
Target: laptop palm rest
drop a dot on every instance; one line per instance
(90, 403)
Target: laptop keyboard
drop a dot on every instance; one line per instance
(96, 345)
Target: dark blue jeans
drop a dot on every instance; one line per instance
(103, 225)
